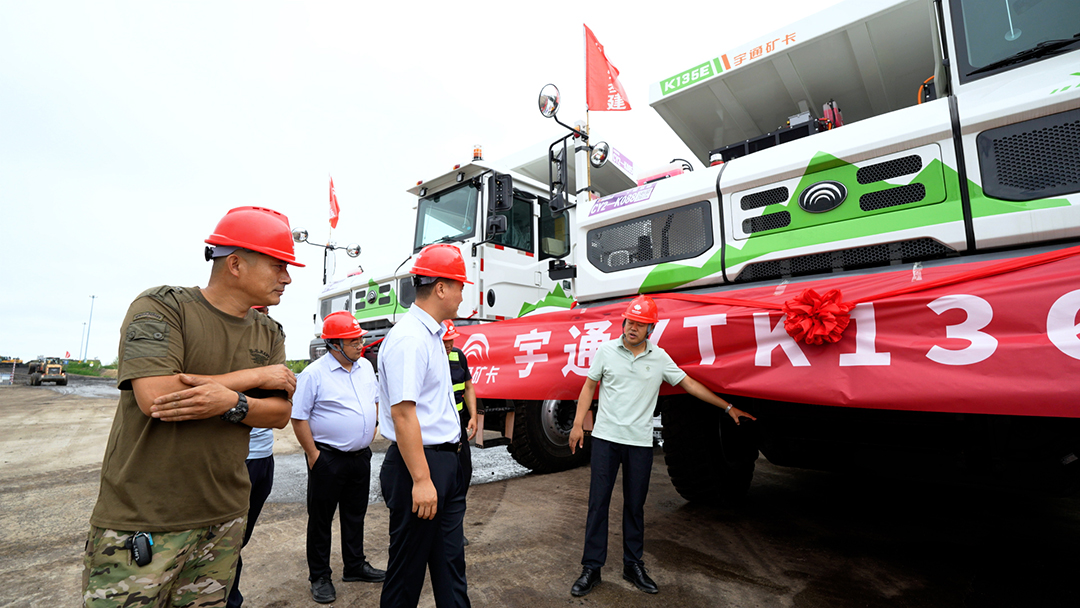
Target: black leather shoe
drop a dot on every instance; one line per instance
(590, 577)
(635, 573)
(322, 591)
(367, 574)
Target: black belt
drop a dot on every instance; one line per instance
(330, 448)
(440, 447)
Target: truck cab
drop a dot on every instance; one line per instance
(509, 271)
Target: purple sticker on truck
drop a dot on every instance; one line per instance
(622, 199)
(616, 158)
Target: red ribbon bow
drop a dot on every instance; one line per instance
(817, 319)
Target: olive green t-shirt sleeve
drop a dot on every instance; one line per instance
(151, 341)
(277, 357)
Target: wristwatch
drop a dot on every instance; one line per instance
(239, 411)
(726, 409)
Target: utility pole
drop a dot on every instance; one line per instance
(82, 337)
(88, 325)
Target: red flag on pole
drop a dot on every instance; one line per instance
(603, 91)
(67, 354)
(335, 211)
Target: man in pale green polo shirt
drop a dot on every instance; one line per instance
(631, 369)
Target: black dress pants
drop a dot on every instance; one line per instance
(435, 545)
(337, 479)
(637, 467)
(466, 450)
(261, 473)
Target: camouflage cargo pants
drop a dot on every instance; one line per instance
(193, 568)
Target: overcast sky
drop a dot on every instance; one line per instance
(128, 129)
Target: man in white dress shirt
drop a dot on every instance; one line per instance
(423, 477)
(334, 416)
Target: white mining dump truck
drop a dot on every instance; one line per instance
(902, 175)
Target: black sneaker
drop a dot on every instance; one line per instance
(635, 573)
(367, 574)
(322, 591)
(589, 578)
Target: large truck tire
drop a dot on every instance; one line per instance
(541, 439)
(61, 382)
(35, 379)
(710, 460)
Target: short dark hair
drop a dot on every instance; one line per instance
(424, 289)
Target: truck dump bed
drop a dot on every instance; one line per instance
(870, 56)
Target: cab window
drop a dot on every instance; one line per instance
(554, 233)
(519, 226)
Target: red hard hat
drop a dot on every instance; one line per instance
(643, 310)
(451, 331)
(440, 260)
(258, 229)
(341, 324)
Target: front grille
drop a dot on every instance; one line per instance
(889, 169)
(1033, 159)
(377, 324)
(891, 197)
(764, 198)
(845, 259)
(762, 223)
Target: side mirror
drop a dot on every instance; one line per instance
(549, 100)
(299, 235)
(496, 225)
(500, 192)
(599, 156)
(353, 250)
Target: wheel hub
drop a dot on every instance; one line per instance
(556, 420)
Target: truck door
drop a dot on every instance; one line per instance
(510, 276)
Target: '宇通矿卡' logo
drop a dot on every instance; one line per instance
(822, 197)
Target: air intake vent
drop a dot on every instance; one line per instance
(762, 223)
(764, 198)
(1033, 159)
(846, 259)
(911, 193)
(889, 169)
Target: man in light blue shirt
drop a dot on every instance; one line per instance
(630, 371)
(334, 416)
(423, 477)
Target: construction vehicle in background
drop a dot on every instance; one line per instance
(47, 369)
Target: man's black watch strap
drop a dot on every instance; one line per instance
(237, 414)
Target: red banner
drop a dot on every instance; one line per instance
(979, 337)
(603, 91)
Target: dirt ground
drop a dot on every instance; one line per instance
(804, 538)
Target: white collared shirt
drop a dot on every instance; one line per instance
(338, 404)
(413, 367)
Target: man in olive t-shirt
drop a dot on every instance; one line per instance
(197, 370)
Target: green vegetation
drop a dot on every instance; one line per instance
(297, 365)
(91, 367)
